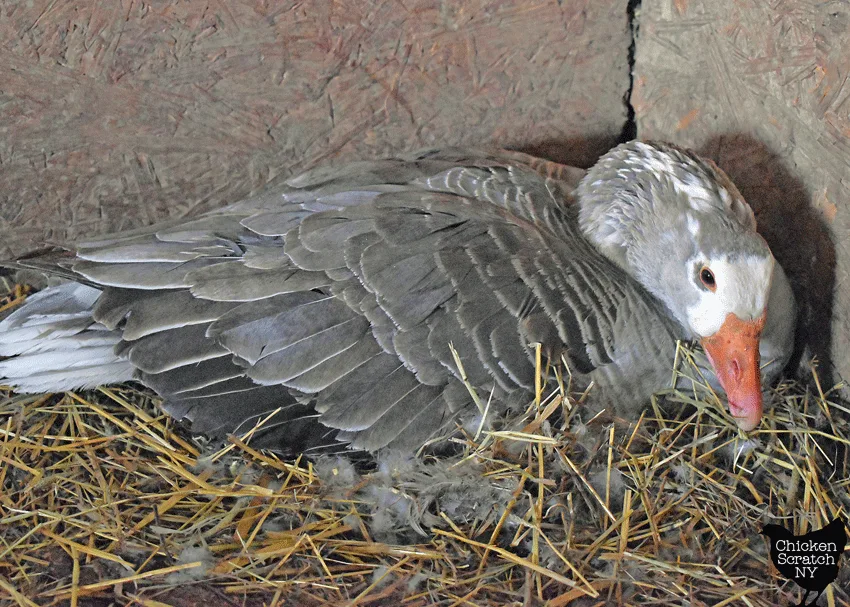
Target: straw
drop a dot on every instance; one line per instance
(104, 497)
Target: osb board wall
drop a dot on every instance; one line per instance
(116, 114)
(762, 88)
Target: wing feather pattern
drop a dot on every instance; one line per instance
(336, 299)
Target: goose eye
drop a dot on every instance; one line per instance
(707, 278)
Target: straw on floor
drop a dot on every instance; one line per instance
(105, 500)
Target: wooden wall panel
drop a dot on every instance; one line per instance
(762, 88)
(117, 114)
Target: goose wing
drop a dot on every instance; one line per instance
(338, 298)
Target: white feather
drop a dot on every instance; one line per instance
(63, 380)
(55, 345)
(743, 286)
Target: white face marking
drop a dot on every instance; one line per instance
(743, 287)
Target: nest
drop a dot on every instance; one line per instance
(107, 501)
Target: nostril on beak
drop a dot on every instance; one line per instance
(736, 370)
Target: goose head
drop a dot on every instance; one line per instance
(678, 225)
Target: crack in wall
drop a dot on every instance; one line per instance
(630, 127)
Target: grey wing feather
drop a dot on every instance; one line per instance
(282, 322)
(409, 286)
(193, 377)
(155, 275)
(445, 330)
(234, 281)
(398, 416)
(266, 256)
(432, 420)
(171, 349)
(306, 259)
(391, 385)
(511, 354)
(216, 414)
(114, 304)
(412, 348)
(291, 360)
(275, 223)
(220, 224)
(332, 370)
(347, 289)
(233, 386)
(170, 310)
(359, 380)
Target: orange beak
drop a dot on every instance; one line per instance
(734, 353)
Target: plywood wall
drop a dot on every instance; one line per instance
(762, 88)
(117, 114)
(114, 115)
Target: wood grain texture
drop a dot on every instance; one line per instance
(761, 87)
(114, 115)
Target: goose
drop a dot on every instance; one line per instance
(367, 305)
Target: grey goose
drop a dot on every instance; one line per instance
(338, 298)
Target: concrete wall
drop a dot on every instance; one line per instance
(116, 114)
(761, 87)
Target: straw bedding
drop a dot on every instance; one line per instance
(106, 501)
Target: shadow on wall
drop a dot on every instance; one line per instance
(795, 231)
(582, 152)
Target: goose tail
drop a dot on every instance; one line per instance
(52, 343)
